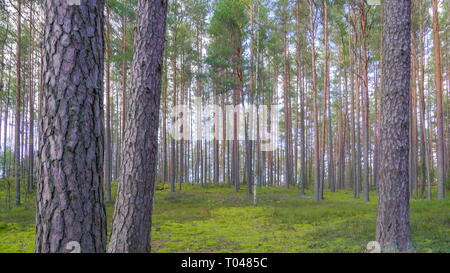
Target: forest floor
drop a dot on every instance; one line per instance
(217, 219)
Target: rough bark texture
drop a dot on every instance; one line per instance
(393, 230)
(132, 215)
(69, 193)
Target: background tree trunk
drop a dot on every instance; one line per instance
(108, 145)
(18, 101)
(440, 143)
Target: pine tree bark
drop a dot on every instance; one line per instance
(108, 143)
(31, 103)
(301, 121)
(69, 193)
(413, 120)
(124, 74)
(365, 101)
(132, 216)
(393, 230)
(314, 87)
(17, 110)
(440, 143)
(331, 173)
(426, 178)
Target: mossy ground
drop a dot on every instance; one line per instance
(217, 219)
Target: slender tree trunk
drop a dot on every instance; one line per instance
(164, 130)
(108, 147)
(314, 87)
(424, 145)
(18, 100)
(301, 90)
(354, 159)
(331, 177)
(249, 117)
(365, 101)
(287, 112)
(5, 131)
(413, 120)
(173, 173)
(31, 103)
(440, 144)
(124, 68)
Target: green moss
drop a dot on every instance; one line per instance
(217, 219)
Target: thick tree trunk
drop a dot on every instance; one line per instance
(70, 195)
(132, 216)
(393, 230)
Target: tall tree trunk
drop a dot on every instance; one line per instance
(354, 169)
(174, 162)
(440, 144)
(287, 111)
(31, 103)
(413, 119)
(424, 144)
(132, 216)
(365, 101)
(249, 117)
(2, 88)
(393, 230)
(164, 130)
(70, 195)
(124, 68)
(314, 87)
(331, 177)
(5, 131)
(18, 100)
(108, 146)
(302, 138)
